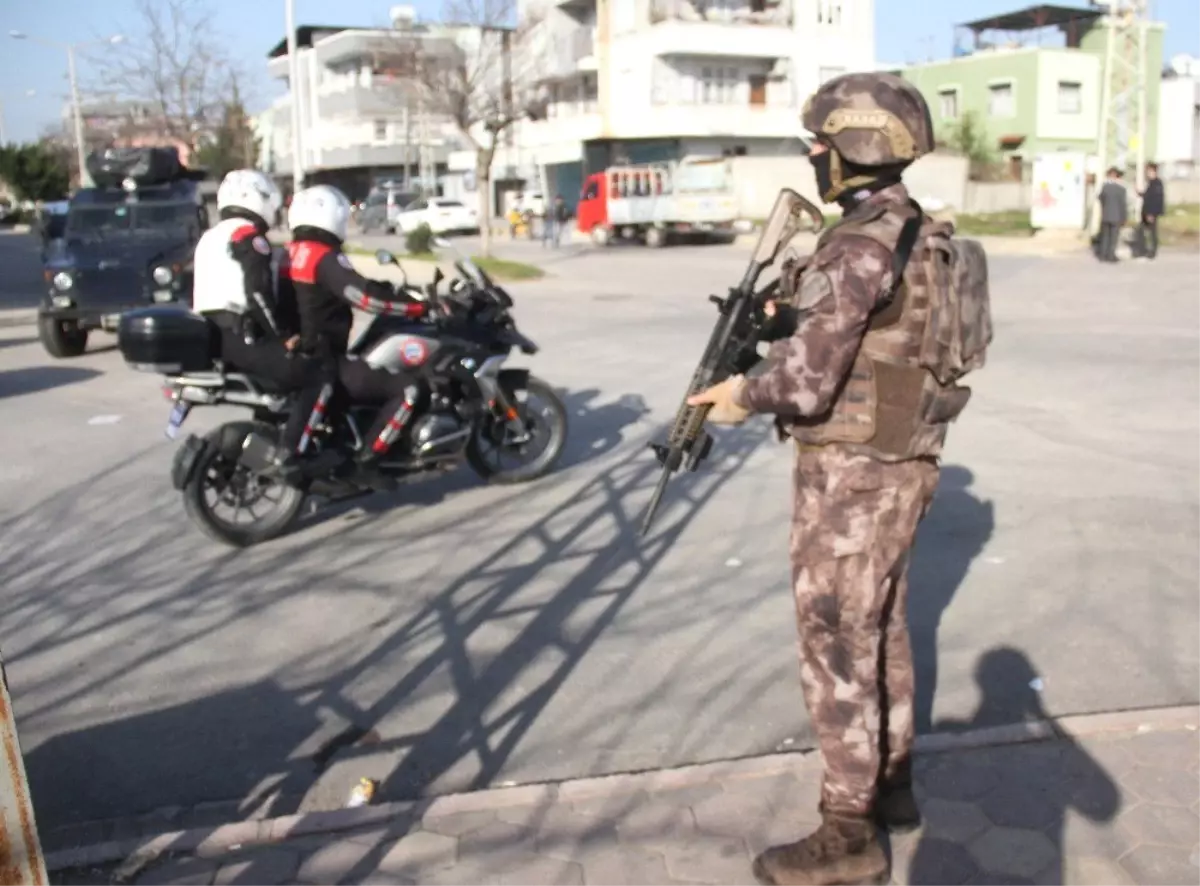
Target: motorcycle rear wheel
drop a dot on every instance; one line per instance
(218, 471)
(550, 421)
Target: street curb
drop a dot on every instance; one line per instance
(228, 837)
(18, 317)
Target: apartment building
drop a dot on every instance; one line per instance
(362, 120)
(1178, 151)
(1027, 95)
(648, 80)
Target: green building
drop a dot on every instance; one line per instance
(1030, 99)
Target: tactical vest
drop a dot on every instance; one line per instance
(902, 391)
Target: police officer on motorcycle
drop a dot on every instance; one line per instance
(235, 281)
(326, 288)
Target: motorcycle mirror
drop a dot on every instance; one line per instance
(438, 276)
(385, 258)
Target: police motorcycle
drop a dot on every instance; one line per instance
(508, 425)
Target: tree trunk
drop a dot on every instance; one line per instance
(483, 182)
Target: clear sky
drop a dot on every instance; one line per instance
(251, 27)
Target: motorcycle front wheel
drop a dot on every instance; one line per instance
(500, 453)
(221, 490)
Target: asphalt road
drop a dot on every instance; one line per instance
(456, 635)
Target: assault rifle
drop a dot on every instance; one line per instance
(733, 346)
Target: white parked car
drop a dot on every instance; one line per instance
(442, 214)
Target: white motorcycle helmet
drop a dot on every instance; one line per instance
(323, 207)
(252, 191)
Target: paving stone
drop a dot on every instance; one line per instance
(956, 778)
(1015, 851)
(1166, 865)
(656, 822)
(1024, 804)
(938, 861)
(497, 840)
(180, 872)
(630, 866)
(1175, 748)
(1109, 839)
(952, 820)
(709, 860)
(568, 835)
(1164, 825)
(1087, 870)
(338, 861)
(1164, 786)
(414, 855)
(539, 870)
(1110, 754)
(265, 866)
(987, 878)
(733, 814)
(458, 823)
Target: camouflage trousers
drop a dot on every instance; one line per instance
(854, 522)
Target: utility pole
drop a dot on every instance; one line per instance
(294, 84)
(1124, 99)
(21, 850)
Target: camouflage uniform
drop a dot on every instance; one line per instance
(856, 507)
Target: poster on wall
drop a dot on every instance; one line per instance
(1059, 190)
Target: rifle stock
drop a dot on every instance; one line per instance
(731, 346)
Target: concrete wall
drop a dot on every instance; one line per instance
(757, 180)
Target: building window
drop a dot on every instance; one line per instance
(948, 103)
(829, 12)
(380, 130)
(1001, 102)
(1070, 97)
(719, 85)
(824, 75)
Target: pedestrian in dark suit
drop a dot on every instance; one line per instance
(1154, 204)
(1114, 211)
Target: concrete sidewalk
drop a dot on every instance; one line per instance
(1108, 798)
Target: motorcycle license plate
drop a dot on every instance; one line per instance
(178, 414)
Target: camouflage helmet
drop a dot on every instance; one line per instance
(871, 120)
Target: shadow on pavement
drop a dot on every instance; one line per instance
(951, 536)
(17, 342)
(16, 382)
(1025, 790)
(435, 694)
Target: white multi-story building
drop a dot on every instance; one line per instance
(646, 80)
(1179, 118)
(361, 120)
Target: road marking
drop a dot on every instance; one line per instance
(104, 419)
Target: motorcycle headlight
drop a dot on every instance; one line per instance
(163, 275)
(63, 281)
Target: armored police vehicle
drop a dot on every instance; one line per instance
(127, 242)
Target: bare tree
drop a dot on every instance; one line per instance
(176, 65)
(475, 69)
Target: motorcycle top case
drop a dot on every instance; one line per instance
(167, 339)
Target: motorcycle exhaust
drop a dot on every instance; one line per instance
(258, 452)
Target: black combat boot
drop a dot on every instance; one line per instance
(844, 850)
(895, 804)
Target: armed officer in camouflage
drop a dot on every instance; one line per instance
(856, 388)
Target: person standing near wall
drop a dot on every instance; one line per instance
(1153, 206)
(1114, 212)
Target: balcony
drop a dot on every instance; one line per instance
(571, 53)
(703, 121)
(679, 29)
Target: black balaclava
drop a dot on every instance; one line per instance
(241, 212)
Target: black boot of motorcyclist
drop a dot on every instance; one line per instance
(393, 421)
